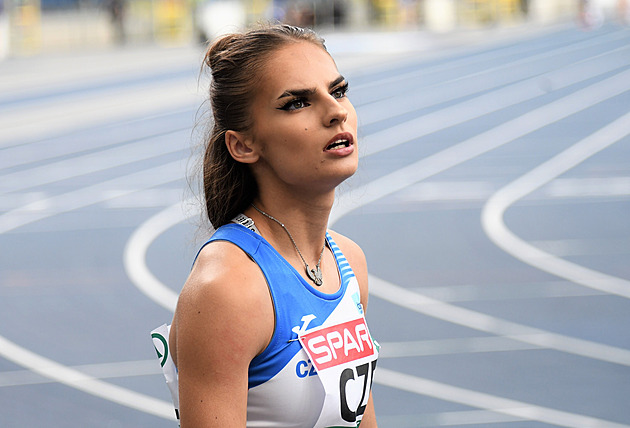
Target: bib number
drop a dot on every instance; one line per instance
(366, 371)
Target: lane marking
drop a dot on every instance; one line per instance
(149, 148)
(86, 196)
(484, 104)
(482, 400)
(151, 367)
(99, 371)
(90, 139)
(134, 256)
(422, 71)
(493, 212)
(424, 125)
(416, 302)
(475, 146)
(140, 275)
(588, 187)
(464, 417)
(462, 345)
(63, 114)
(51, 369)
(499, 99)
(69, 377)
(507, 291)
(135, 252)
(78, 380)
(513, 87)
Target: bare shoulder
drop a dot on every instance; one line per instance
(224, 297)
(224, 318)
(355, 256)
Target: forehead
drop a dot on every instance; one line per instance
(296, 66)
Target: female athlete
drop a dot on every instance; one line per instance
(269, 329)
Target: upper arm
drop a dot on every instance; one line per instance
(224, 318)
(355, 256)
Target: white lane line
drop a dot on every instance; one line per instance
(134, 256)
(62, 115)
(588, 187)
(463, 191)
(100, 137)
(512, 88)
(135, 252)
(521, 64)
(481, 400)
(91, 163)
(142, 277)
(435, 121)
(474, 146)
(500, 99)
(99, 371)
(508, 291)
(124, 369)
(86, 196)
(464, 417)
(497, 231)
(52, 369)
(76, 379)
(105, 385)
(462, 345)
(416, 302)
(478, 106)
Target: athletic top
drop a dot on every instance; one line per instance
(318, 368)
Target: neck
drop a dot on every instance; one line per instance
(305, 219)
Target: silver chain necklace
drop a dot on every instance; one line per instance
(314, 275)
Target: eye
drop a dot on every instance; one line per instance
(340, 92)
(295, 104)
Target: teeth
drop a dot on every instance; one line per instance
(338, 143)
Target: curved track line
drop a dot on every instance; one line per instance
(76, 379)
(494, 209)
(70, 377)
(52, 369)
(416, 302)
(418, 385)
(476, 145)
(134, 257)
(135, 264)
(141, 276)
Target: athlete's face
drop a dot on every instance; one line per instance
(305, 128)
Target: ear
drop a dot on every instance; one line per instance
(240, 147)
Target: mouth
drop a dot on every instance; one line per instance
(339, 142)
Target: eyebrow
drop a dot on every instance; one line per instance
(310, 91)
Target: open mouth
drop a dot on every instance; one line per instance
(338, 144)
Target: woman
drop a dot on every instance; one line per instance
(269, 327)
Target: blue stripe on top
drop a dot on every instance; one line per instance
(292, 296)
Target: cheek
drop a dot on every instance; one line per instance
(352, 117)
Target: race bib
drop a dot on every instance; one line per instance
(160, 343)
(344, 356)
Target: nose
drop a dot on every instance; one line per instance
(335, 112)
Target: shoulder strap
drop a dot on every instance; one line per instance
(237, 234)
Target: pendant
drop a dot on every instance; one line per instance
(315, 275)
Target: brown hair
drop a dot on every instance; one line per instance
(235, 61)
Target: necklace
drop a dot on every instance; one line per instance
(315, 274)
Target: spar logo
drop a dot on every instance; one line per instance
(338, 344)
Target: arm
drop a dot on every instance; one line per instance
(356, 258)
(224, 318)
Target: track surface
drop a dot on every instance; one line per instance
(492, 202)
